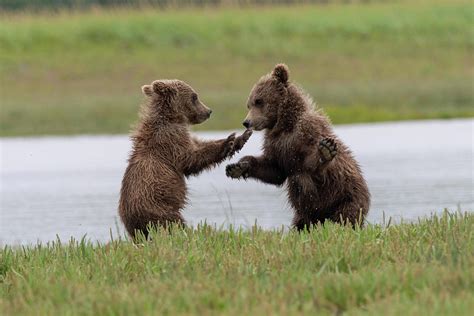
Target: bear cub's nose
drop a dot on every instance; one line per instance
(209, 113)
(246, 123)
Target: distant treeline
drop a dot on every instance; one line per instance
(12, 5)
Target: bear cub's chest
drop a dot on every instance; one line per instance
(287, 152)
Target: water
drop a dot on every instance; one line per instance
(68, 186)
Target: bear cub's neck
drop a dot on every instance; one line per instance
(296, 106)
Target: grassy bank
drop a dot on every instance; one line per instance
(411, 269)
(82, 72)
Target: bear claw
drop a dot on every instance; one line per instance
(327, 149)
(229, 145)
(238, 170)
(241, 140)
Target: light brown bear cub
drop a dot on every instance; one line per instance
(164, 153)
(323, 179)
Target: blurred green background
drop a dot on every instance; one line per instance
(78, 67)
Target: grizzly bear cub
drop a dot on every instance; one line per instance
(323, 180)
(164, 153)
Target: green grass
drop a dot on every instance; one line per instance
(423, 268)
(81, 72)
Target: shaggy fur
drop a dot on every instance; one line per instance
(164, 153)
(323, 180)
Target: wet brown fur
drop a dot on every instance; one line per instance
(164, 153)
(318, 190)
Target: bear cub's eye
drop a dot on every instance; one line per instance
(258, 102)
(194, 97)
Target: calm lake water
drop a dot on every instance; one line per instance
(68, 186)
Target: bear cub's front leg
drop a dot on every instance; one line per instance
(211, 153)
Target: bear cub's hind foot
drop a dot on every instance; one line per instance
(327, 149)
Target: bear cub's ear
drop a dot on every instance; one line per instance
(281, 72)
(163, 88)
(147, 90)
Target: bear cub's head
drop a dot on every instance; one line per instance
(265, 99)
(177, 101)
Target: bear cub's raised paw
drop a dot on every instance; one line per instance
(228, 145)
(328, 149)
(241, 140)
(238, 170)
(234, 144)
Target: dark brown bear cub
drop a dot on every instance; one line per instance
(164, 153)
(323, 179)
